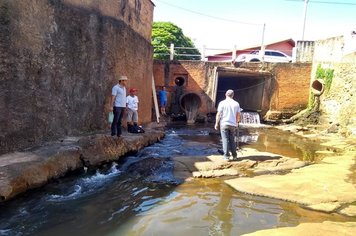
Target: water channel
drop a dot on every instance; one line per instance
(140, 196)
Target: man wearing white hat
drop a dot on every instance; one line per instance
(118, 104)
(228, 116)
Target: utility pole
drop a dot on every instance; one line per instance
(262, 51)
(171, 52)
(305, 17)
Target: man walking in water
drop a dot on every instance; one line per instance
(228, 116)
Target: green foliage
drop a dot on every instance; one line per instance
(308, 155)
(165, 33)
(311, 101)
(326, 75)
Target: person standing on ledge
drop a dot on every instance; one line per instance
(132, 111)
(228, 116)
(118, 104)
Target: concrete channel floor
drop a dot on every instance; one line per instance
(328, 186)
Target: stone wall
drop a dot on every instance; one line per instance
(137, 14)
(59, 60)
(288, 92)
(337, 106)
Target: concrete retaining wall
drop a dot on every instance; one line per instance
(337, 105)
(59, 60)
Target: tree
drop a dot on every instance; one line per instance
(165, 33)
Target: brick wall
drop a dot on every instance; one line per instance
(292, 91)
(287, 92)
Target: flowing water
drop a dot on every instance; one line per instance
(250, 118)
(140, 196)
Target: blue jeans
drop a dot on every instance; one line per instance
(116, 123)
(228, 140)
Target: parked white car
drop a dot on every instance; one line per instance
(270, 56)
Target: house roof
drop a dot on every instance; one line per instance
(290, 41)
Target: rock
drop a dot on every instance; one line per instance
(251, 161)
(326, 228)
(323, 186)
(215, 173)
(349, 211)
(325, 207)
(334, 128)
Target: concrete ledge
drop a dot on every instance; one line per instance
(21, 171)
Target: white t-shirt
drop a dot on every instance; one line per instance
(132, 102)
(228, 108)
(120, 95)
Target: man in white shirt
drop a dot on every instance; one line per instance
(118, 104)
(228, 116)
(132, 111)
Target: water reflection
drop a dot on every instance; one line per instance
(208, 207)
(281, 143)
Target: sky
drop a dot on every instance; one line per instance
(224, 24)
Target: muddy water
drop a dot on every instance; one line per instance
(267, 139)
(140, 196)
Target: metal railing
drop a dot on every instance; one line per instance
(204, 54)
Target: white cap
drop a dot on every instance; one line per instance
(123, 77)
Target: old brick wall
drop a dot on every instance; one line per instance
(197, 75)
(292, 91)
(59, 60)
(288, 90)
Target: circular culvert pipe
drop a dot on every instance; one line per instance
(190, 103)
(318, 87)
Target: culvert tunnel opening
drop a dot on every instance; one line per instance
(249, 92)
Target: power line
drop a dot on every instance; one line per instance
(325, 2)
(206, 15)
